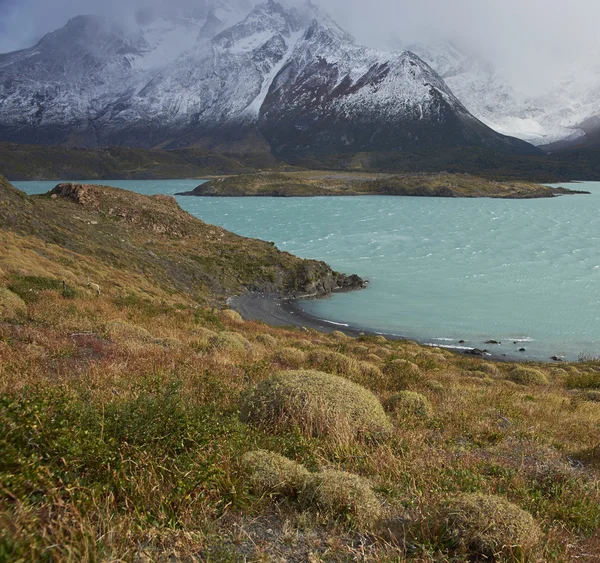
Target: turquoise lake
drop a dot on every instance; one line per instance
(523, 272)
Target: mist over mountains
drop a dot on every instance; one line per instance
(198, 71)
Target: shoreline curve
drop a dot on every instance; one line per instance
(275, 310)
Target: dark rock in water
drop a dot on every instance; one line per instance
(492, 342)
(557, 359)
(522, 349)
(476, 352)
(461, 341)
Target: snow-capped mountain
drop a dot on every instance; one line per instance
(290, 75)
(563, 113)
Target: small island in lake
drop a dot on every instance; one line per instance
(318, 183)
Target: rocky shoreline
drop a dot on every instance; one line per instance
(280, 311)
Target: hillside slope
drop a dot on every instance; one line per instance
(106, 229)
(141, 422)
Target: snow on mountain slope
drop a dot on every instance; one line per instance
(335, 96)
(176, 79)
(490, 96)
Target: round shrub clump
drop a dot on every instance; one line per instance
(527, 376)
(339, 335)
(232, 316)
(290, 357)
(318, 404)
(489, 369)
(329, 361)
(337, 494)
(12, 307)
(229, 341)
(489, 526)
(370, 371)
(409, 403)
(274, 474)
(267, 340)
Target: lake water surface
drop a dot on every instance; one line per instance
(441, 270)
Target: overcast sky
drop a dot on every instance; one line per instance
(532, 40)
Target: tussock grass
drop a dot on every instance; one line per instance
(229, 341)
(318, 404)
(409, 403)
(489, 526)
(527, 376)
(343, 496)
(274, 474)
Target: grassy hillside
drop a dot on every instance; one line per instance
(305, 184)
(145, 423)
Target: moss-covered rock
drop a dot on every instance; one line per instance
(274, 474)
(318, 404)
(488, 526)
(527, 376)
(409, 403)
(341, 495)
(12, 307)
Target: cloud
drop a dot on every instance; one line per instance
(534, 41)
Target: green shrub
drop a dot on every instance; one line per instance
(409, 403)
(12, 307)
(337, 494)
(271, 473)
(318, 404)
(527, 376)
(488, 526)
